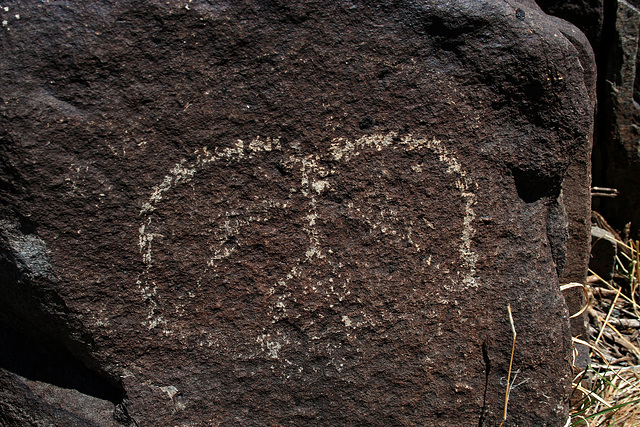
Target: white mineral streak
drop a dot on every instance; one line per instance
(170, 390)
(181, 173)
(464, 184)
(310, 170)
(149, 293)
(314, 181)
(144, 242)
(343, 150)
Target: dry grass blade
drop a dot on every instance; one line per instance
(597, 280)
(612, 395)
(513, 349)
(604, 325)
(603, 192)
(586, 296)
(612, 400)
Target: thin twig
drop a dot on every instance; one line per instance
(513, 349)
(604, 192)
(606, 320)
(625, 323)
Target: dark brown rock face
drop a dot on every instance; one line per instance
(613, 27)
(576, 187)
(277, 213)
(617, 153)
(588, 15)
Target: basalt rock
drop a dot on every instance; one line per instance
(613, 27)
(617, 150)
(576, 187)
(290, 213)
(588, 15)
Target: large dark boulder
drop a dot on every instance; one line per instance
(290, 213)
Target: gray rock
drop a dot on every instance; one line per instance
(32, 403)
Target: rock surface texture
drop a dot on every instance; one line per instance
(613, 27)
(287, 213)
(617, 154)
(588, 15)
(576, 194)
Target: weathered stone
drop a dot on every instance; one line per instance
(32, 403)
(576, 197)
(616, 157)
(613, 28)
(603, 253)
(576, 187)
(295, 213)
(587, 15)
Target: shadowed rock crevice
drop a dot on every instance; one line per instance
(34, 340)
(60, 387)
(487, 364)
(533, 185)
(38, 360)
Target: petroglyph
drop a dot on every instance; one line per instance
(307, 189)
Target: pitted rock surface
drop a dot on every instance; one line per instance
(292, 213)
(617, 150)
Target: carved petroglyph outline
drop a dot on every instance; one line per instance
(314, 181)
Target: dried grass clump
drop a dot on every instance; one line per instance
(612, 400)
(607, 393)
